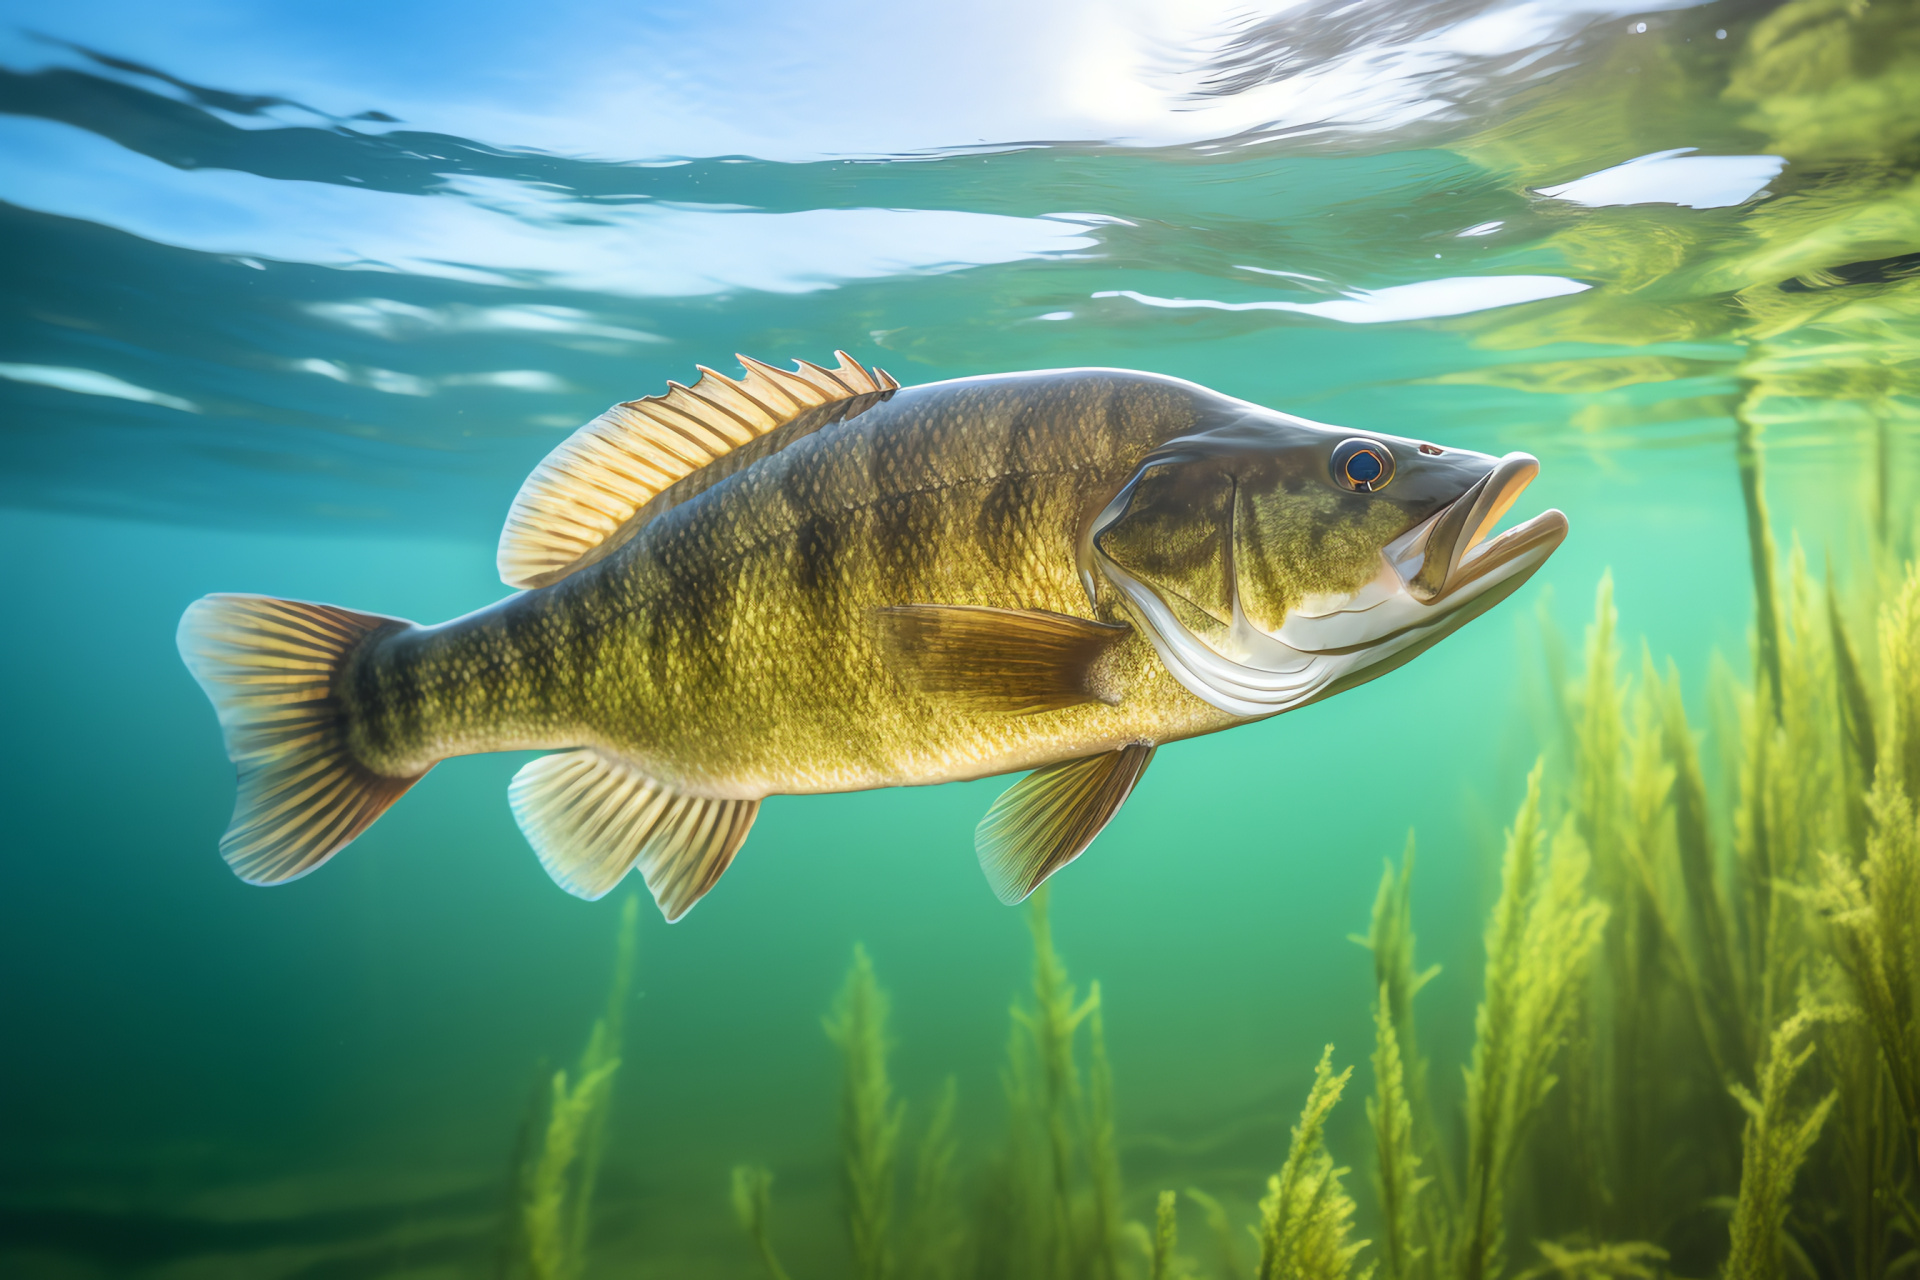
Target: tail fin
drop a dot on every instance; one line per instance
(270, 668)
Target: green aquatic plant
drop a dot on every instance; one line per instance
(510, 1254)
(1776, 1143)
(930, 1244)
(1659, 1025)
(1761, 554)
(1390, 938)
(1306, 1217)
(1869, 1048)
(869, 1120)
(1860, 755)
(1054, 1205)
(558, 1178)
(1703, 949)
(556, 1244)
(1874, 912)
(1166, 1236)
(1016, 1212)
(1701, 988)
(1631, 1261)
(1399, 1112)
(1900, 667)
(1870, 902)
(936, 1231)
(1397, 1177)
(1103, 1147)
(1818, 828)
(1543, 931)
(1224, 1236)
(1051, 1024)
(752, 1205)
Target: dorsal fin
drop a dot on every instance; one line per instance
(585, 491)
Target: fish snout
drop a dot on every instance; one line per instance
(1450, 550)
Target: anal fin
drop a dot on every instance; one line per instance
(1048, 818)
(592, 818)
(999, 661)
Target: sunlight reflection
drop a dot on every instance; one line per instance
(1423, 300)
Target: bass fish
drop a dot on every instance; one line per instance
(818, 580)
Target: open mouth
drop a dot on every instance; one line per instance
(1450, 551)
(1437, 577)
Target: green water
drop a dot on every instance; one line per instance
(249, 346)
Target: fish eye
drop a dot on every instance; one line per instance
(1362, 466)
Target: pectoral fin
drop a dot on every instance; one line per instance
(999, 661)
(592, 818)
(1045, 820)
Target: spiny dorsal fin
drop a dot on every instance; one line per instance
(592, 818)
(270, 667)
(999, 661)
(586, 490)
(1045, 820)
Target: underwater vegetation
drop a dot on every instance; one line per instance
(1696, 1046)
(1696, 1050)
(1675, 1035)
(562, 1141)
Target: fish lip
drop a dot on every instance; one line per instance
(1259, 674)
(1512, 551)
(1449, 551)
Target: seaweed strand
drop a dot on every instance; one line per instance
(752, 1196)
(869, 1119)
(560, 1180)
(1750, 461)
(1166, 1235)
(1306, 1215)
(1397, 1175)
(1777, 1140)
(1541, 936)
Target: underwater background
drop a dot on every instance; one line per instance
(294, 299)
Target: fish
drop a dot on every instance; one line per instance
(814, 580)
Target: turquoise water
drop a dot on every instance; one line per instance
(293, 304)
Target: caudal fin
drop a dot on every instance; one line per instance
(270, 667)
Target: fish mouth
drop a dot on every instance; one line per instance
(1449, 553)
(1433, 579)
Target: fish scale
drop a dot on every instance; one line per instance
(817, 580)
